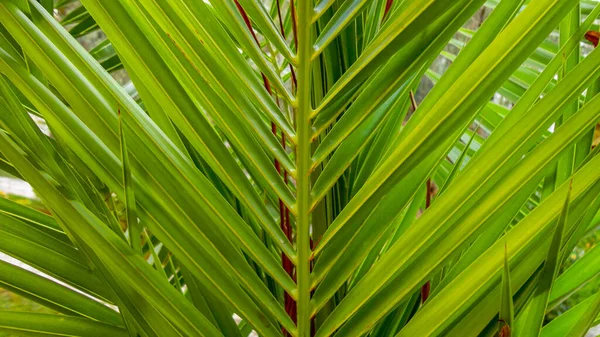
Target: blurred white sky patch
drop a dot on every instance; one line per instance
(16, 187)
(41, 124)
(238, 320)
(595, 331)
(11, 260)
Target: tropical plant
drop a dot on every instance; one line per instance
(268, 170)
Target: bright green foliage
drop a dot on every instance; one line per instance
(263, 161)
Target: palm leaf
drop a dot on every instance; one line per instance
(261, 160)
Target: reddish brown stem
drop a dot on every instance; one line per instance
(294, 23)
(292, 72)
(289, 303)
(284, 218)
(593, 37)
(426, 288)
(266, 82)
(388, 6)
(504, 329)
(428, 197)
(246, 20)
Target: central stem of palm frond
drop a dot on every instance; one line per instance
(303, 148)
